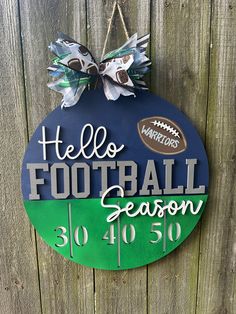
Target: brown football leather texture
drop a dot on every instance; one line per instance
(162, 135)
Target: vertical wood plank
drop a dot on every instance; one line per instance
(180, 46)
(180, 56)
(217, 269)
(65, 286)
(118, 291)
(19, 286)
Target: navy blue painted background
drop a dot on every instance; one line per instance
(120, 118)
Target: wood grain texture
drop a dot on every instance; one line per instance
(19, 287)
(217, 268)
(118, 291)
(193, 51)
(65, 286)
(180, 56)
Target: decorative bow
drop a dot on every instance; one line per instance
(121, 70)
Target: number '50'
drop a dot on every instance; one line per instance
(155, 229)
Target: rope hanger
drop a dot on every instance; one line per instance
(115, 6)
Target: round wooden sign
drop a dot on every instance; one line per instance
(115, 185)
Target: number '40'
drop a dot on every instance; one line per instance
(127, 237)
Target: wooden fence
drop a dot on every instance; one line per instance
(193, 50)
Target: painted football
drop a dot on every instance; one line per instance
(162, 135)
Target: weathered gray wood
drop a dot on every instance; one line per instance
(179, 51)
(180, 41)
(217, 268)
(122, 291)
(19, 288)
(136, 16)
(66, 287)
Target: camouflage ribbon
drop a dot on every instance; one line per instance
(121, 70)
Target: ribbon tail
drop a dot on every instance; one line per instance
(113, 91)
(71, 98)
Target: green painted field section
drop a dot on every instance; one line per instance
(77, 229)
